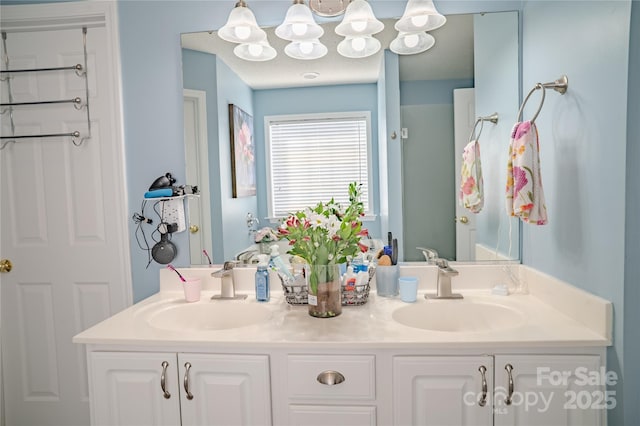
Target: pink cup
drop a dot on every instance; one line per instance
(192, 288)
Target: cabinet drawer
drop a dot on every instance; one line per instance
(358, 372)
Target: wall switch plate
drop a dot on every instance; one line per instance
(404, 133)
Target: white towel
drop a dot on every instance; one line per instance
(525, 196)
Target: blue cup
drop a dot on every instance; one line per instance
(408, 289)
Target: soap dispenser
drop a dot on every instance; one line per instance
(262, 279)
(278, 264)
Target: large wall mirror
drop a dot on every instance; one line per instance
(475, 61)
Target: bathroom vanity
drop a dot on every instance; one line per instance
(534, 358)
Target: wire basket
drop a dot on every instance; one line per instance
(296, 292)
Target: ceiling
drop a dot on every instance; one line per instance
(450, 58)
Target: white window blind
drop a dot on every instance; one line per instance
(313, 159)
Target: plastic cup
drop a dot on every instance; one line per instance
(387, 280)
(192, 288)
(408, 289)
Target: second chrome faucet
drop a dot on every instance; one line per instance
(445, 272)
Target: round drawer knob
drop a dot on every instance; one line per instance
(330, 378)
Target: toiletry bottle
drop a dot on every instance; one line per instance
(262, 279)
(350, 279)
(362, 278)
(277, 263)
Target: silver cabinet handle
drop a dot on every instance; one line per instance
(330, 378)
(509, 369)
(187, 365)
(163, 380)
(483, 399)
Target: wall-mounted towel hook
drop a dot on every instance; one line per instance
(560, 85)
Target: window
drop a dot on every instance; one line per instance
(314, 157)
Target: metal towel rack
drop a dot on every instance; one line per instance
(560, 86)
(80, 70)
(480, 120)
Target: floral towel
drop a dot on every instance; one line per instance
(471, 193)
(525, 197)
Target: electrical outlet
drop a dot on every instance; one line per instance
(173, 212)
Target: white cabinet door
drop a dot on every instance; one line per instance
(550, 390)
(225, 389)
(127, 389)
(447, 390)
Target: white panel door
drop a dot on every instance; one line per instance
(197, 161)
(225, 390)
(134, 389)
(551, 390)
(431, 390)
(63, 216)
(464, 116)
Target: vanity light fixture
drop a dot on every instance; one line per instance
(359, 20)
(306, 49)
(412, 43)
(241, 27)
(420, 15)
(260, 51)
(358, 26)
(299, 24)
(358, 47)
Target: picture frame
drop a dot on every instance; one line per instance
(243, 162)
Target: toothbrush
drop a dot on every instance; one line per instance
(204, 251)
(170, 266)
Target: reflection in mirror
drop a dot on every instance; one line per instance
(472, 70)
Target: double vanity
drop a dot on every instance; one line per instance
(537, 357)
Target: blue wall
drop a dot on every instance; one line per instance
(496, 56)
(583, 140)
(204, 71)
(426, 92)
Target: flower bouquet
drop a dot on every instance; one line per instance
(326, 236)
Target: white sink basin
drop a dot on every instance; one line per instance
(215, 315)
(458, 316)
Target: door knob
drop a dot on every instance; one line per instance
(464, 219)
(194, 229)
(5, 265)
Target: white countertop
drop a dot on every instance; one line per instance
(555, 314)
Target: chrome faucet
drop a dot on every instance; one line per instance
(245, 257)
(429, 254)
(227, 286)
(445, 272)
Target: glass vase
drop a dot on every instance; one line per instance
(325, 293)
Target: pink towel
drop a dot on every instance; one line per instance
(525, 197)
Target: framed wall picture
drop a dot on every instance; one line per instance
(243, 160)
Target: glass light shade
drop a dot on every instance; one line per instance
(260, 51)
(412, 43)
(358, 47)
(241, 27)
(299, 24)
(420, 15)
(359, 20)
(305, 49)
